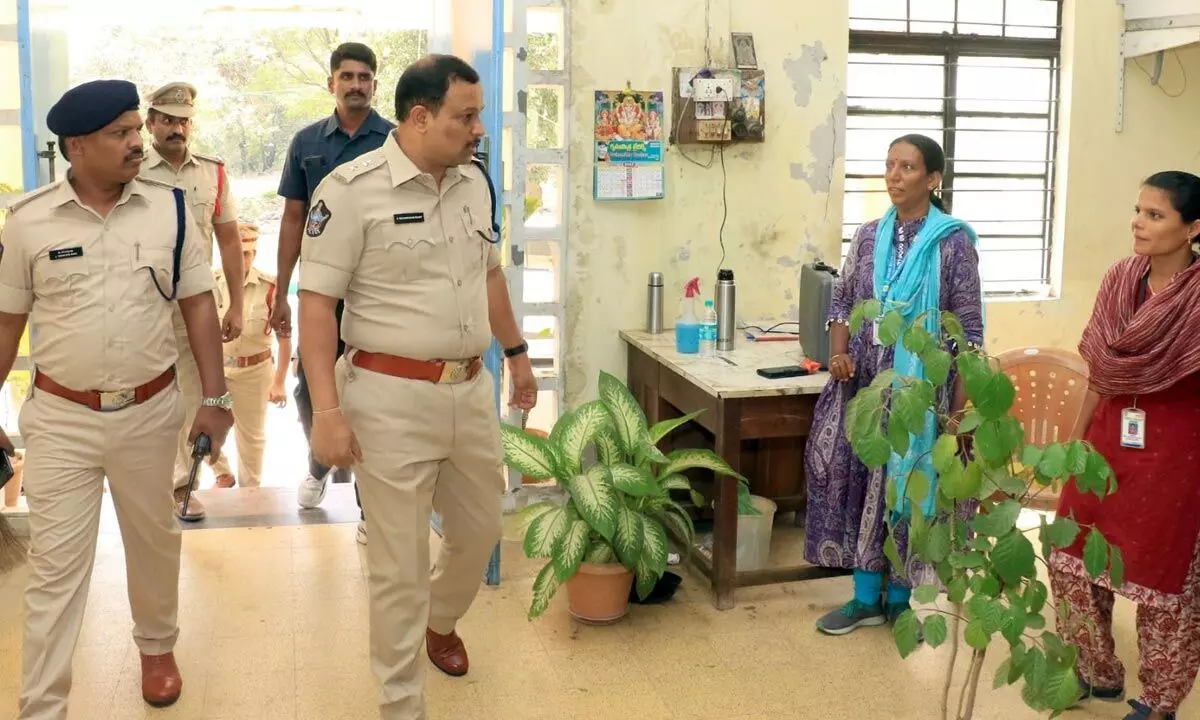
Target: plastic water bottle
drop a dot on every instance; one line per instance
(708, 331)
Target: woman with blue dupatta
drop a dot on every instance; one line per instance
(916, 259)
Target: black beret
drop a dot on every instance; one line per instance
(86, 108)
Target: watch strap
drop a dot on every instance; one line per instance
(516, 350)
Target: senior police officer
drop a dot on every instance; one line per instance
(205, 182)
(89, 260)
(252, 380)
(353, 129)
(404, 235)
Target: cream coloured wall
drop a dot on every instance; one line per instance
(785, 196)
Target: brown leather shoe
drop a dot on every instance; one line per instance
(224, 481)
(447, 652)
(161, 683)
(195, 509)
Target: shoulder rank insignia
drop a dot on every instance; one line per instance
(31, 196)
(347, 172)
(318, 218)
(210, 158)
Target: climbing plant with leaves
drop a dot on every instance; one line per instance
(987, 568)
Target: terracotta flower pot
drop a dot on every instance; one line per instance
(525, 479)
(599, 594)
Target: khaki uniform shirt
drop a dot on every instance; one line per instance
(409, 258)
(256, 335)
(197, 177)
(98, 320)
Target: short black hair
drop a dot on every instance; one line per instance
(427, 81)
(1184, 190)
(352, 51)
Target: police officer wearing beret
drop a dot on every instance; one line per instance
(206, 185)
(97, 263)
(404, 235)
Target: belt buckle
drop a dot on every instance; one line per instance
(453, 372)
(117, 400)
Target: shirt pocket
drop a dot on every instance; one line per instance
(477, 236)
(406, 251)
(315, 169)
(153, 269)
(62, 282)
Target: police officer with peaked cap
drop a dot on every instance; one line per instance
(206, 185)
(89, 260)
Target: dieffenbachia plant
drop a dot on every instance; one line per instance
(618, 502)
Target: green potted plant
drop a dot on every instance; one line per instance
(613, 526)
(986, 568)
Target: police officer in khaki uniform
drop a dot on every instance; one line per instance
(404, 235)
(252, 379)
(204, 179)
(89, 260)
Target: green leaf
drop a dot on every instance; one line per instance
(576, 430)
(892, 553)
(661, 429)
(1036, 669)
(856, 320)
(1001, 480)
(544, 588)
(545, 531)
(935, 630)
(945, 451)
(627, 416)
(994, 399)
(966, 560)
(905, 632)
(652, 561)
(890, 493)
(909, 409)
(926, 594)
(634, 481)
(1012, 627)
(1062, 532)
(600, 553)
(649, 451)
(917, 488)
(937, 365)
(596, 499)
(872, 448)
(569, 550)
(976, 636)
(883, 379)
(1053, 463)
(956, 591)
(1001, 678)
(937, 547)
(681, 460)
(627, 540)
(532, 512)
(953, 327)
(1116, 567)
(890, 328)
(989, 586)
(998, 520)
(681, 524)
(1077, 455)
(1035, 622)
(917, 339)
(1035, 597)
(527, 454)
(970, 422)
(608, 451)
(1095, 554)
(995, 443)
(745, 504)
(1097, 477)
(1062, 689)
(674, 481)
(1031, 456)
(899, 437)
(1013, 557)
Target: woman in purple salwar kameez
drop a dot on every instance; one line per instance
(846, 522)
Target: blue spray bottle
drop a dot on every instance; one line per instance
(687, 327)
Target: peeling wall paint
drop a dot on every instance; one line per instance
(803, 71)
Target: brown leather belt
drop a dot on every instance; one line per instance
(248, 360)
(434, 371)
(106, 401)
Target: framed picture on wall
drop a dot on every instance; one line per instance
(744, 56)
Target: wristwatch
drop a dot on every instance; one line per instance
(224, 402)
(516, 350)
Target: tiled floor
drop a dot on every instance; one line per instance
(274, 626)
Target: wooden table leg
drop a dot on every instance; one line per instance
(725, 522)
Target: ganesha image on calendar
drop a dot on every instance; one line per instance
(629, 126)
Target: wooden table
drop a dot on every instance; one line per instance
(758, 426)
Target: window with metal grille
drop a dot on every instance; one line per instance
(981, 78)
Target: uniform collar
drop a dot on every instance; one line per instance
(65, 192)
(154, 159)
(403, 169)
(254, 276)
(374, 123)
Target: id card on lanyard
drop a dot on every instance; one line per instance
(1133, 428)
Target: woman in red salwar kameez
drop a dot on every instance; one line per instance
(1143, 352)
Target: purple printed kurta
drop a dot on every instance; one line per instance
(846, 501)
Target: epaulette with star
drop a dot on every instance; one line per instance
(347, 172)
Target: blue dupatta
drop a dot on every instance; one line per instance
(913, 287)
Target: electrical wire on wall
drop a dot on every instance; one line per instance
(1156, 76)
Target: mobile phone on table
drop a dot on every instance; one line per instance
(784, 371)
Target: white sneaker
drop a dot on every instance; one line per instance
(312, 491)
(361, 536)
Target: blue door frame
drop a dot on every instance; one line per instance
(29, 158)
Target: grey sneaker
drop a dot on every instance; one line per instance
(851, 617)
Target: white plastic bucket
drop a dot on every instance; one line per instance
(754, 535)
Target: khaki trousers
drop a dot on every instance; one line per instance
(249, 387)
(191, 394)
(425, 447)
(70, 449)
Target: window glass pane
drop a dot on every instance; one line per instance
(982, 17)
(542, 336)
(508, 16)
(1007, 85)
(868, 138)
(866, 199)
(1011, 264)
(543, 195)
(998, 145)
(995, 200)
(510, 60)
(1031, 18)
(544, 113)
(542, 272)
(544, 30)
(941, 11)
(912, 83)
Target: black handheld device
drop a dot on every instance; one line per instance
(784, 371)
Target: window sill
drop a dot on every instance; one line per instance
(1004, 298)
